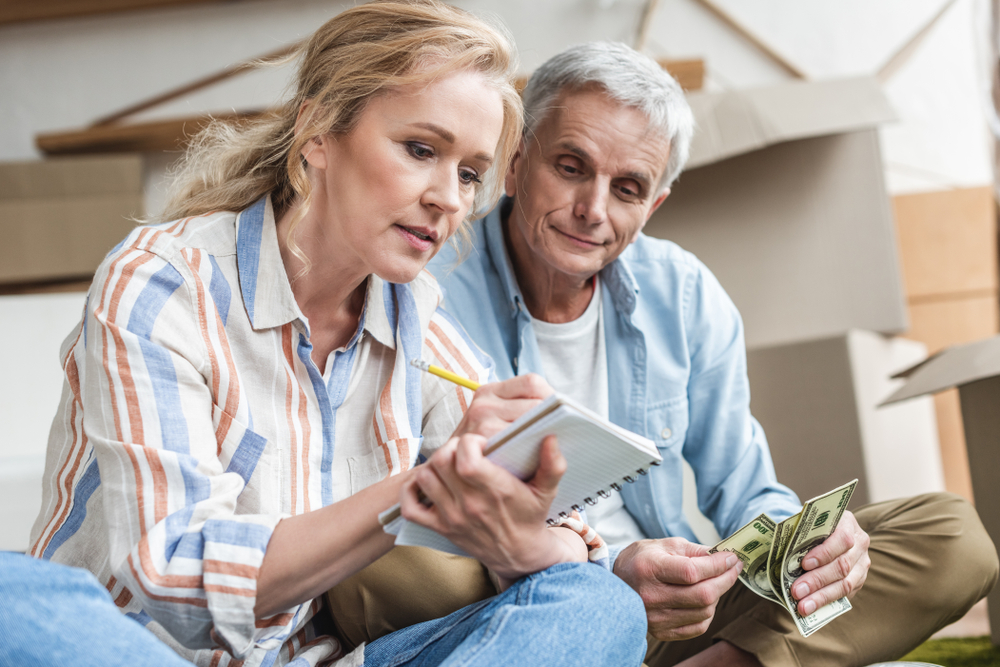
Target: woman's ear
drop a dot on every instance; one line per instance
(314, 153)
(313, 150)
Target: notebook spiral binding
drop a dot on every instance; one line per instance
(603, 494)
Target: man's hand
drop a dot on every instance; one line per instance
(679, 582)
(495, 405)
(836, 568)
(489, 513)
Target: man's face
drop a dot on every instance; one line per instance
(584, 186)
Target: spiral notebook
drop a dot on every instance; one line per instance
(601, 456)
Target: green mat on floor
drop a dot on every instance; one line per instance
(965, 652)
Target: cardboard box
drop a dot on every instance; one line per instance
(818, 403)
(947, 242)
(60, 217)
(784, 200)
(942, 322)
(975, 369)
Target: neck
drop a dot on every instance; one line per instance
(550, 295)
(330, 294)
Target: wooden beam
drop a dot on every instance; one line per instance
(761, 45)
(642, 33)
(204, 82)
(16, 11)
(164, 135)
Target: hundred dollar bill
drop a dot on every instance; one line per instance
(783, 534)
(818, 519)
(752, 544)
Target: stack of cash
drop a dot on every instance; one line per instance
(772, 553)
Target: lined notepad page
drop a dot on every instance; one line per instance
(598, 454)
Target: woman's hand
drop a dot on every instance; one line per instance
(497, 404)
(489, 513)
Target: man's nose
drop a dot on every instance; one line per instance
(592, 201)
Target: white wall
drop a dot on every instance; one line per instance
(63, 74)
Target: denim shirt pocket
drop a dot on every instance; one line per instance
(667, 423)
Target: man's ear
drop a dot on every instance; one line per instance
(510, 180)
(660, 198)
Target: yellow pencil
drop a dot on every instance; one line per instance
(442, 373)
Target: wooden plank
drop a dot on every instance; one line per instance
(17, 11)
(80, 284)
(194, 86)
(164, 135)
(690, 73)
(947, 242)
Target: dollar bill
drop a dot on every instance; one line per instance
(752, 544)
(783, 534)
(772, 553)
(819, 518)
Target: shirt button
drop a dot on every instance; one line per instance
(666, 433)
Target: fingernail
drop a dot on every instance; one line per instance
(809, 606)
(731, 561)
(801, 591)
(809, 563)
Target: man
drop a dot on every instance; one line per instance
(561, 281)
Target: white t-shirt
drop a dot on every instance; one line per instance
(575, 364)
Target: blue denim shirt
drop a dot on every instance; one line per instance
(676, 372)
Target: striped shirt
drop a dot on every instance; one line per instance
(193, 419)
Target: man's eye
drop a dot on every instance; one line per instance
(628, 191)
(419, 151)
(468, 177)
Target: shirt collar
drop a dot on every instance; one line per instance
(267, 292)
(616, 276)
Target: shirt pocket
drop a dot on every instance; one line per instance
(374, 467)
(254, 458)
(667, 422)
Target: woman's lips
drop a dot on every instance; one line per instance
(421, 239)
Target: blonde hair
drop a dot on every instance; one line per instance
(363, 52)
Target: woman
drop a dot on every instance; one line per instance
(239, 404)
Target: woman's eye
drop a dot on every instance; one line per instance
(419, 151)
(469, 177)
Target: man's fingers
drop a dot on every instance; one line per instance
(842, 540)
(845, 587)
(551, 467)
(687, 570)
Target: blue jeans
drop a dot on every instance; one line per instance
(569, 614)
(56, 615)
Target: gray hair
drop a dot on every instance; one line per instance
(628, 77)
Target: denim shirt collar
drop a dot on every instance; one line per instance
(619, 282)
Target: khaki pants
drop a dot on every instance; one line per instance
(931, 561)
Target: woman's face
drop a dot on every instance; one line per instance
(390, 193)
